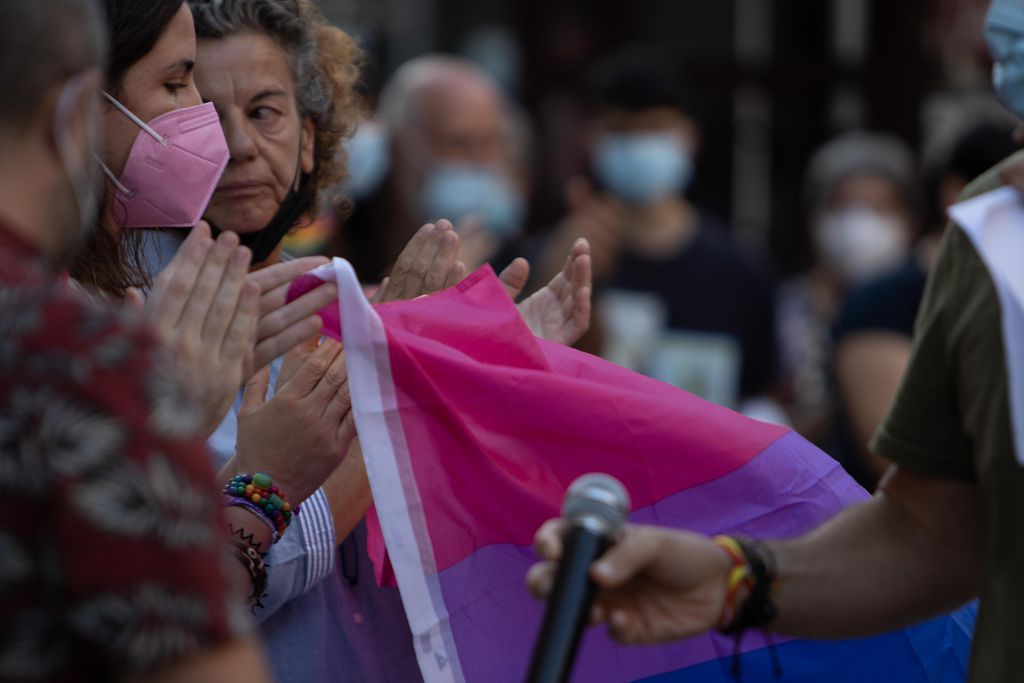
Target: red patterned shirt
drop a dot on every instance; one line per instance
(112, 547)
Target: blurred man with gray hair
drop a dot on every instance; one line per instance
(457, 151)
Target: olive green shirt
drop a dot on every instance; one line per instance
(951, 418)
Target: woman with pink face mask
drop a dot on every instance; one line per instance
(163, 155)
(283, 81)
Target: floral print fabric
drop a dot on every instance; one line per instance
(112, 548)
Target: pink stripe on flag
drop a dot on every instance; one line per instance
(527, 427)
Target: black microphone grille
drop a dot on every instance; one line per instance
(597, 499)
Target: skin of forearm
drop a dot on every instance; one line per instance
(241, 518)
(911, 552)
(230, 469)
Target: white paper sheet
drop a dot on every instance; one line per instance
(995, 223)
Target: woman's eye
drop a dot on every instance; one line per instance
(175, 87)
(263, 114)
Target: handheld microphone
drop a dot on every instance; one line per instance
(595, 508)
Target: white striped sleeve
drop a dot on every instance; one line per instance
(304, 556)
(317, 528)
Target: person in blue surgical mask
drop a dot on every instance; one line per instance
(1004, 33)
(369, 160)
(677, 299)
(455, 151)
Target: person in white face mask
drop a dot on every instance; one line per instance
(874, 330)
(860, 190)
(860, 196)
(947, 523)
(677, 299)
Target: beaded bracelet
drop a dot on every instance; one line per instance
(257, 493)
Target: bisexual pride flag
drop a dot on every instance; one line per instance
(472, 429)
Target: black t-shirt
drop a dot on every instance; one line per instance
(711, 286)
(887, 304)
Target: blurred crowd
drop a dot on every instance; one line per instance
(136, 354)
(679, 294)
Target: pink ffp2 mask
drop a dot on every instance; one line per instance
(172, 170)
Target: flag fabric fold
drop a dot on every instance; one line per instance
(472, 429)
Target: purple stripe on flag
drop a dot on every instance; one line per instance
(495, 621)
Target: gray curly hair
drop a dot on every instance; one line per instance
(325, 63)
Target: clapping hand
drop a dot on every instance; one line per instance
(302, 434)
(559, 311)
(204, 311)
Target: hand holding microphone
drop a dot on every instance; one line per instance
(653, 585)
(594, 511)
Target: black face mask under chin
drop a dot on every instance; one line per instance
(263, 242)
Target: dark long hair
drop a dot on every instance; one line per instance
(107, 262)
(134, 27)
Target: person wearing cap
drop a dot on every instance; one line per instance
(859, 193)
(873, 336)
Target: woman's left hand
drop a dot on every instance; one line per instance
(559, 311)
(426, 265)
(282, 325)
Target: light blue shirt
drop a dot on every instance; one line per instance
(305, 554)
(325, 618)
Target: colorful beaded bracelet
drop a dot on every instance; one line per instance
(257, 493)
(257, 511)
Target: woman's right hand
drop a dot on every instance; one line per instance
(301, 435)
(204, 312)
(427, 264)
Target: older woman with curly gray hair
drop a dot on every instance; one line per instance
(283, 82)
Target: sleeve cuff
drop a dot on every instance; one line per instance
(920, 460)
(317, 527)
